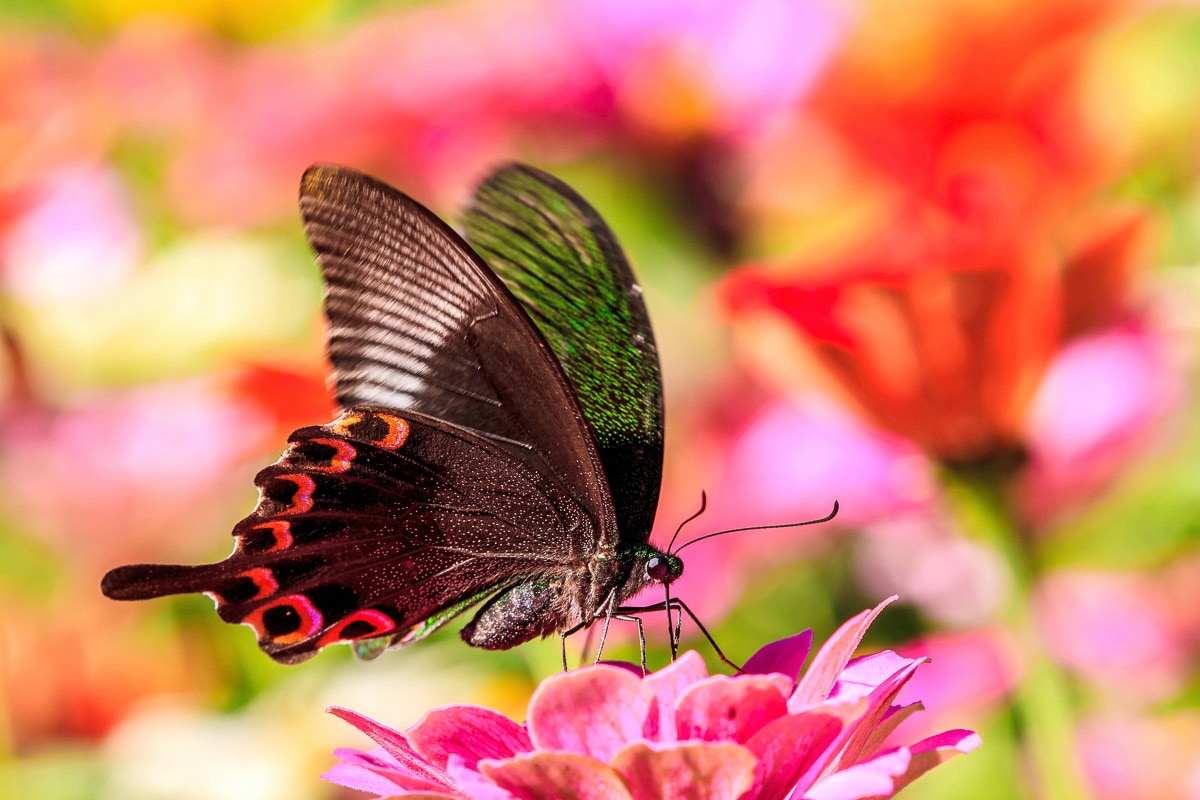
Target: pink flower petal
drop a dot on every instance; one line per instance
(471, 732)
(472, 783)
(722, 708)
(832, 658)
(374, 772)
(668, 684)
(861, 742)
(888, 725)
(693, 770)
(786, 656)
(556, 776)
(874, 778)
(851, 715)
(787, 748)
(969, 672)
(591, 711)
(928, 753)
(394, 742)
(379, 774)
(864, 675)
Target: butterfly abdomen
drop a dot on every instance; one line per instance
(517, 615)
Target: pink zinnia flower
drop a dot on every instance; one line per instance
(606, 732)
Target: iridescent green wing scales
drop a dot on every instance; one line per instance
(563, 263)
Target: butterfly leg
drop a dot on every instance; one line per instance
(562, 637)
(682, 606)
(641, 636)
(609, 608)
(587, 644)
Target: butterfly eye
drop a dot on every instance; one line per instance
(657, 568)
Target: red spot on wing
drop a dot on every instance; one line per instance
(341, 459)
(264, 581)
(282, 531)
(380, 624)
(302, 500)
(310, 621)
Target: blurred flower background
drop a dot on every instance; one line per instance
(936, 260)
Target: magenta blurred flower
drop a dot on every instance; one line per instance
(605, 732)
(795, 456)
(1080, 432)
(969, 675)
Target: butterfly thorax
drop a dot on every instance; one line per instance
(559, 601)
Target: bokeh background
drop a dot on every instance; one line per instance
(936, 260)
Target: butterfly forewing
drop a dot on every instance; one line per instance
(563, 263)
(417, 321)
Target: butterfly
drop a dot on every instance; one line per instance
(499, 442)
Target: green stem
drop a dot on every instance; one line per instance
(1042, 702)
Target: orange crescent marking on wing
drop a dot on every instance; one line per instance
(397, 431)
(342, 424)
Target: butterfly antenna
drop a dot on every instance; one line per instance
(703, 505)
(825, 518)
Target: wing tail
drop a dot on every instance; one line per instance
(145, 581)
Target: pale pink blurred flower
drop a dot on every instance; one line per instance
(49, 115)
(923, 556)
(605, 732)
(76, 236)
(1127, 757)
(150, 471)
(1101, 400)
(160, 77)
(717, 66)
(1127, 631)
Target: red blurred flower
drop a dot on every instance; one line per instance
(605, 732)
(942, 307)
(940, 341)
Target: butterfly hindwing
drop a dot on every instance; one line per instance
(377, 525)
(561, 260)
